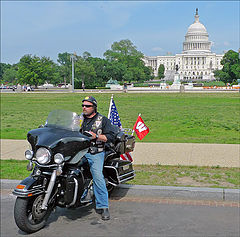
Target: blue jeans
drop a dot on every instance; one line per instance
(99, 185)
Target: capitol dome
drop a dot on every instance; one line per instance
(196, 39)
(196, 28)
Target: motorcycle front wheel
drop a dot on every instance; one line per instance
(28, 214)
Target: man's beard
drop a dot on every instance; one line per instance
(85, 114)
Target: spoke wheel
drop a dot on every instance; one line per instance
(28, 214)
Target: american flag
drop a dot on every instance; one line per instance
(115, 120)
(113, 114)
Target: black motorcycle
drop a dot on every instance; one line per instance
(60, 172)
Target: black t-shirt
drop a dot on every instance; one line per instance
(109, 130)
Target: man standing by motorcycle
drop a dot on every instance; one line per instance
(102, 131)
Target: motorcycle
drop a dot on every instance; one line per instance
(60, 172)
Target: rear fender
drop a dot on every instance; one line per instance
(29, 187)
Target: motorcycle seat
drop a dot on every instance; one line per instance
(109, 154)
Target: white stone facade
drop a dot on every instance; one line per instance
(196, 62)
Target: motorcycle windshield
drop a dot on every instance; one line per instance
(63, 119)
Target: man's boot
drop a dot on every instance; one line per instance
(105, 214)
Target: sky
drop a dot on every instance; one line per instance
(46, 28)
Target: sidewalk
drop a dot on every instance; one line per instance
(156, 192)
(189, 154)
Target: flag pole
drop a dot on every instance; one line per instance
(133, 129)
(110, 106)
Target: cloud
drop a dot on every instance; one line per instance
(226, 43)
(118, 14)
(157, 49)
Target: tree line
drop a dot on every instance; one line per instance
(231, 68)
(123, 62)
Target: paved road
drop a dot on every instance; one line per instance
(194, 154)
(142, 216)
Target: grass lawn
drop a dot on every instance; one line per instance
(165, 175)
(154, 175)
(171, 117)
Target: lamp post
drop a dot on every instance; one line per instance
(73, 58)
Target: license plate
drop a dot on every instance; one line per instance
(125, 167)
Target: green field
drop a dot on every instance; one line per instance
(171, 117)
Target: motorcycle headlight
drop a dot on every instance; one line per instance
(43, 156)
(29, 154)
(58, 158)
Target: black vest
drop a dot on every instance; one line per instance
(96, 146)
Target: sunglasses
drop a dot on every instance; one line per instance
(87, 106)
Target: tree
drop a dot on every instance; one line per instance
(65, 67)
(35, 71)
(3, 68)
(120, 50)
(231, 67)
(10, 75)
(86, 55)
(124, 53)
(85, 74)
(116, 70)
(101, 69)
(161, 71)
(149, 74)
(236, 70)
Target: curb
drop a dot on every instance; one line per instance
(128, 190)
(195, 193)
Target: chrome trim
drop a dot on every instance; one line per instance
(37, 186)
(48, 173)
(123, 175)
(107, 166)
(75, 193)
(119, 177)
(131, 177)
(49, 190)
(112, 183)
(45, 166)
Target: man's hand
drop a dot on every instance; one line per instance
(94, 135)
(101, 137)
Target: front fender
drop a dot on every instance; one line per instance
(29, 187)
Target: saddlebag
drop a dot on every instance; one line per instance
(118, 171)
(125, 143)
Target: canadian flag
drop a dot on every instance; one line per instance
(140, 128)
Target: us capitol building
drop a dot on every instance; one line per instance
(196, 62)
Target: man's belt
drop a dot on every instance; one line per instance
(94, 150)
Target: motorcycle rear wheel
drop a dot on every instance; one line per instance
(28, 214)
(110, 189)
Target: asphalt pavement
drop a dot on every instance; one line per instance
(139, 210)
